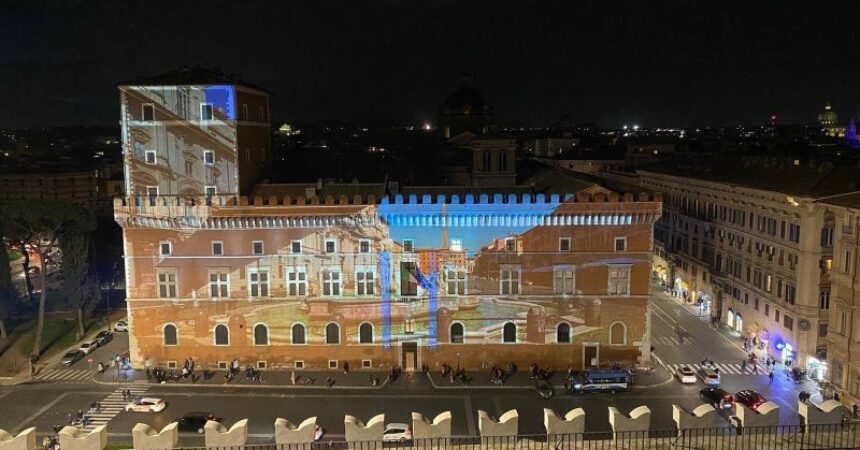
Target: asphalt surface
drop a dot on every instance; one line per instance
(45, 403)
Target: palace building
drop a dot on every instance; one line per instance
(216, 271)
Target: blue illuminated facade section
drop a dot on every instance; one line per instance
(385, 270)
(222, 98)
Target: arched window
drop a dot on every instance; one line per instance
(298, 334)
(503, 161)
(171, 336)
(509, 333)
(261, 334)
(618, 334)
(365, 333)
(562, 333)
(457, 333)
(487, 161)
(222, 335)
(332, 334)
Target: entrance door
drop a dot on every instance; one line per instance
(589, 355)
(410, 356)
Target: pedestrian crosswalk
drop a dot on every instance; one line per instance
(72, 375)
(112, 405)
(726, 368)
(672, 341)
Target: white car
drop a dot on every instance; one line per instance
(88, 346)
(686, 375)
(397, 432)
(146, 404)
(120, 326)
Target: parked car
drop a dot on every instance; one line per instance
(120, 326)
(749, 398)
(397, 432)
(194, 421)
(147, 404)
(88, 346)
(686, 375)
(72, 357)
(103, 337)
(717, 397)
(709, 376)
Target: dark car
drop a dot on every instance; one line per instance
(72, 357)
(717, 397)
(104, 337)
(194, 421)
(749, 398)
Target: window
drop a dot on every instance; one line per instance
(330, 246)
(776, 315)
(456, 333)
(408, 245)
(297, 281)
(790, 292)
(298, 334)
(299, 364)
(456, 282)
(205, 111)
(794, 233)
(209, 192)
(619, 280)
(258, 282)
(564, 244)
(331, 282)
(510, 245)
(788, 322)
(244, 111)
(332, 334)
(148, 112)
(217, 248)
(509, 280)
(218, 285)
(768, 283)
(165, 248)
(503, 161)
(150, 157)
(408, 279)
(843, 322)
(208, 157)
(332, 364)
(170, 335)
(364, 281)
(755, 303)
(562, 333)
(618, 334)
(620, 244)
(261, 334)
(767, 310)
(366, 363)
(827, 237)
(824, 299)
(296, 247)
(563, 280)
(486, 161)
(222, 335)
(509, 333)
(364, 246)
(847, 263)
(167, 284)
(365, 333)
(257, 247)
(822, 330)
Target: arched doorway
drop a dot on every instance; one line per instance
(730, 318)
(739, 323)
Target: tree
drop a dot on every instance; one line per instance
(8, 296)
(79, 281)
(41, 224)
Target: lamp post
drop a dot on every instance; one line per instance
(458, 361)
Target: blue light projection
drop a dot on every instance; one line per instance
(221, 98)
(385, 269)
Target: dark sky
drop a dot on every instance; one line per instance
(653, 63)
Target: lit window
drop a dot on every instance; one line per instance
(619, 280)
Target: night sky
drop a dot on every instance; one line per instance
(672, 63)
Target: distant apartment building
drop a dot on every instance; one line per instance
(75, 186)
(315, 276)
(749, 239)
(843, 300)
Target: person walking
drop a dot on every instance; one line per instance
(743, 366)
(755, 368)
(770, 375)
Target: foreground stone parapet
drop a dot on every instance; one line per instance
(638, 420)
(357, 431)
(572, 423)
(288, 433)
(146, 437)
(439, 428)
(25, 440)
(507, 425)
(702, 417)
(766, 415)
(217, 435)
(830, 411)
(74, 438)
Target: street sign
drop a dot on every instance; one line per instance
(91, 360)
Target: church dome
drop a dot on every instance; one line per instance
(828, 118)
(465, 100)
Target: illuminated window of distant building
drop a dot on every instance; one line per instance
(208, 157)
(564, 244)
(509, 333)
(150, 157)
(563, 280)
(332, 333)
(298, 334)
(217, 248)
(364, 280)
(222, 334)
(457, 333)
(620, 244)
(257, 247)
(296, 247)
(619, 280)
(331, 282)
(297, 281)
(364, 246)
(408, 245)
(509, 279)
(456, 282)
(167, 284)
(258, 282)
(148, 112)
(562, 334)
(219, 286)
(205, 111)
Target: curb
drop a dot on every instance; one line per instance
(228, 386)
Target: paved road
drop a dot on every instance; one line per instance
(47, 402)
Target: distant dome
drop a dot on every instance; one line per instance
(465, 100)
(828, 118)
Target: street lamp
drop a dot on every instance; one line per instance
(458, 361)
